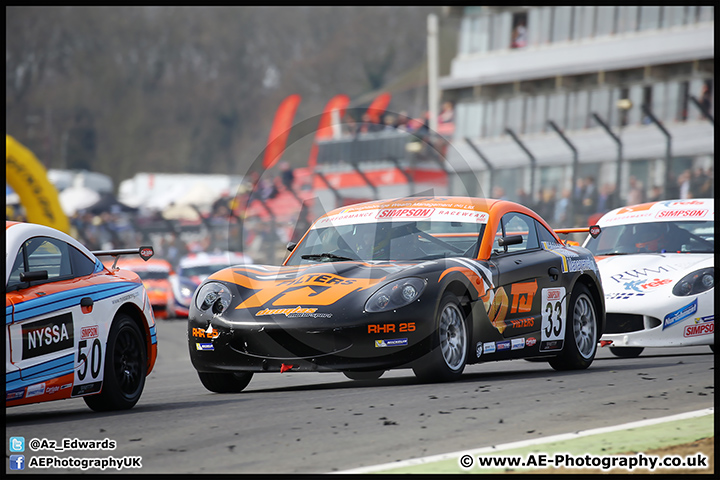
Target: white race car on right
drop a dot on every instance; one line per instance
(657, 267)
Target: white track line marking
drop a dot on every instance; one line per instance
(531, 443)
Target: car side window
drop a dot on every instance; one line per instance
(48, 254)
(544, 234)
(81, 265)
(515, 223)
(17, 269)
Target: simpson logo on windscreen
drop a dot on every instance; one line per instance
(47, 336)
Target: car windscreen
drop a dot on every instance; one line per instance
(153, 274)
(200, 270)
(654, 237)
(390, 241)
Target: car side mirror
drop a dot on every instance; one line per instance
(510, 240)
(291, 246)
(33, 276)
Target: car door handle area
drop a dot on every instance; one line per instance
(86, 302)
(554, 273)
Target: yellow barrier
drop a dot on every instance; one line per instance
(28, 177)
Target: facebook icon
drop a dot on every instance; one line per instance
(17, 462)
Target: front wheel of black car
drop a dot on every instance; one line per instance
(125, 368)
(374, 375)
(446, 361)
(626, 352)
(233, 382)
(581, 333)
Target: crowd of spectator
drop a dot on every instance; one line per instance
(419, 127)
(587, 202)
(229, 225)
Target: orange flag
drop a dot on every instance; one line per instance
(378, 106)
(338, 103)
(280, 130)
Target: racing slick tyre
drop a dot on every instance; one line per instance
(446, 361)
(233, 382)
(125, 367)
(364, 375)
(581, 332)
(626, 352)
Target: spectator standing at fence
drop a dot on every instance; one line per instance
(389, 123)
(446, 120)
(447, 113)
(561, 215)
(705, 97)
(655, 194)
(401, 121)
(546, 206)
(350, 125)
(606, 198)
(701, 184)
(368, 124)
(498, 193)
(636, 191)
(175, 249)
(684, 184)
(590, 196)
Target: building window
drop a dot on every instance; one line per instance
(480, 34)
(516, 114)
(605, 21)
(673, 16)
(627, 18)
(561, 24)
(496, 118)
(470, 116)
(519, 38)
(636, 97)
(584, 22)
(621, 115)
(600, 103)
(649, 18)
(540, 19)
(465, 34)
(500, 31)
(706, 14)
(578, 111)
(557, 110)
(676, 101)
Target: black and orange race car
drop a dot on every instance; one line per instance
(428, 283)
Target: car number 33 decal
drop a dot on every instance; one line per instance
(553, 318)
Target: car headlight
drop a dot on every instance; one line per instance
(214, 297)
(395, 295)
(697, 282)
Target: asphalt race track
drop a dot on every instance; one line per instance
(324, 422)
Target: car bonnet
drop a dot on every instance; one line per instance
(647, 274)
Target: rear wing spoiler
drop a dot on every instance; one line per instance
(593, 230)
(144, 252)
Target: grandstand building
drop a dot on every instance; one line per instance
(546, 95)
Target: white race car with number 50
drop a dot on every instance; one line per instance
(73, 327)
(657, 266)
